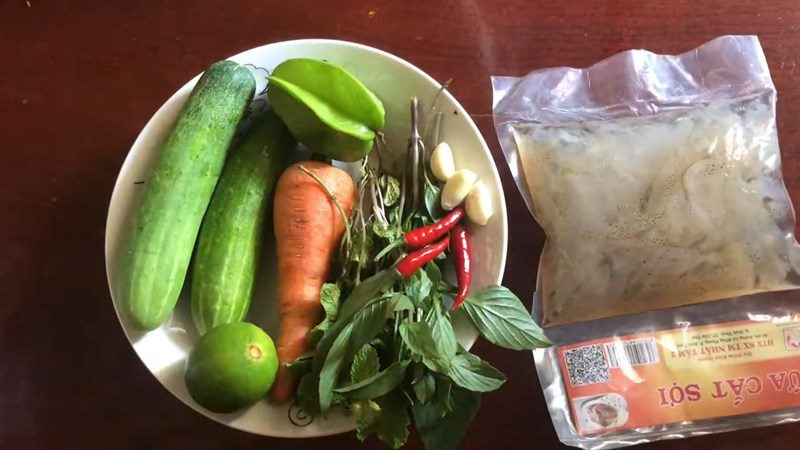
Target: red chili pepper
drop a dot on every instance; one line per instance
(428, 234)
(462, 260)
(418, 258)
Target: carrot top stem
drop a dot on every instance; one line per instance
(333, 198)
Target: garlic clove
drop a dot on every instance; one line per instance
(479, 203)
(442, 164)
(457, 188)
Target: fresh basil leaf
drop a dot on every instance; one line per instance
(392, 423)
(396, 233)
(421, 220)
(330, 370)
(382, 230)
(391, 190)
(445, 433)
(365, 364)
(361, 295)
(434, 274)
(443, 335)
(377, 385)
(500, 318)
(471, 372)
(306, 395)
(362, 248)
(301, 365)
(366, 413)
(316, 333)
(325, 344)
(378, 342)
(403, 303)
(424, 388)
(329, 297)
(395, 218)
(418, 337)
(442, 400)
(364, 292)
(418, 287)
(432, 203)
(438, 365)
(339, 400)
(368, 323)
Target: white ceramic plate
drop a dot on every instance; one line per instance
(395, 82)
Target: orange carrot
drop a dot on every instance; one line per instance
(308, 228)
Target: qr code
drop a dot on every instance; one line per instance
(587, 365)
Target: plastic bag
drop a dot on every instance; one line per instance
(656, 178)
(657, 181)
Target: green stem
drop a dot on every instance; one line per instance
(404, 185)
(333, 198)
(388, 249)
(377, 200)
(414, 143)
(433, 112)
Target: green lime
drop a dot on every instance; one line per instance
(231, 367)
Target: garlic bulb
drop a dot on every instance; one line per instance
(479, 203)
(457, 188)
(442, 164)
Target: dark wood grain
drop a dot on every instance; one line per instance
(78, 80)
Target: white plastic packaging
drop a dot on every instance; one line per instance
(657, 181)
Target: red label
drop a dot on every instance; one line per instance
(684, 374)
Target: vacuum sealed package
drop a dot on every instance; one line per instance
(669, 278)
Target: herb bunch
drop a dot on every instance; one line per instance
(386, 349)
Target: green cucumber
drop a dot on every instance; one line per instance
(224, 266)
(158, 249)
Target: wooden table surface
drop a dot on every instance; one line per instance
(78, 80)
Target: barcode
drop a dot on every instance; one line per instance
(632, 353)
